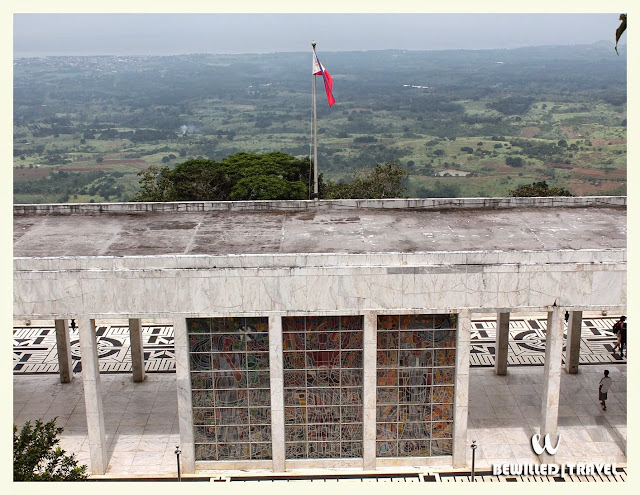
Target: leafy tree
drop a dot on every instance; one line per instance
(383, 181)
(154, 186)
(241, 176)
(38, 457)
(538, 189)
(514, 161)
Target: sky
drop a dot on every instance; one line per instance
(51, 34)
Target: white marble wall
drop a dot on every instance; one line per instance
(552, 378)
(183, 385)
(369, 391)
(276, 381)
(92, 395)
(435, 281)
(461, 392)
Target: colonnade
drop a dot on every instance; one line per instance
(93, 393)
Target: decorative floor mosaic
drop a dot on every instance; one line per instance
(34, 348)
(35, 351)
(527, 340)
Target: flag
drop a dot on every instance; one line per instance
(319, 70)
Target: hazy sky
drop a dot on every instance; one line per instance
(170, 34)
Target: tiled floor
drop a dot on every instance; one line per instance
(141, 419)
(504, 412)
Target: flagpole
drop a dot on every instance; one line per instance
(315, 135)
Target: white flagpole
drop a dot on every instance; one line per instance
(315, 133)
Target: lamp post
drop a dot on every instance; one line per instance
(177, 453)
(473, 460)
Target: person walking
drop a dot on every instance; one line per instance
(603, 388)
(620, 329)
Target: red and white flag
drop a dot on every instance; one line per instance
(319, 70)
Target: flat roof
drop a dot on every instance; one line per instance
(290, 231)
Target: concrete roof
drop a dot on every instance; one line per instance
(358, 230)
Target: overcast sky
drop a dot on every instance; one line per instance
(169, 34)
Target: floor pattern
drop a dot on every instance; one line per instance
(527, 342)
(35, 351)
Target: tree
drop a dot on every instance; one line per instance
(514, 161)
(538, 189)
(154, 186)
(383, 181)
(241, 176)
(38, 457)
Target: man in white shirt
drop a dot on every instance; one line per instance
(605, 383)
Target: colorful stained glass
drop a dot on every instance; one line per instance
(443, 395)
(351, 377)
(416, 339)
(415, 378)
(416, 322)
(441, 411)
(261, 450)
(323, 386)
(387, 449)
(387, 413)
(200, 361)
(441, 447)
(295, 450)
(230, 387)
(198, 325)
(387, 359)
(206, 452)
(442, 429)
(388, 322)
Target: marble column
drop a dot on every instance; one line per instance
(369, 391)
(552, 377)
(276, 380)
(502, 343)
(92, 395)
(137, 350)
(461, 393)
(183, 385)
(63, 345)
(574, 331)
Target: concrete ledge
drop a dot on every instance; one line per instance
(321, 205)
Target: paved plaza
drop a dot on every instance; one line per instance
(141, 419)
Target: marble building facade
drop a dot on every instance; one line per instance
(319, 334)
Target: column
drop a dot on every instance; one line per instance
(461, 399)
(92, 394)
(502, 343)
(369, 391)
(63, 345)
(574, 331)
(183, 385)
(276, 380)
(552, 376)
(137, 351)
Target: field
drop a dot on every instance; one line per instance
(463, 123)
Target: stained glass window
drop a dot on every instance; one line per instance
(415, 384)
(229, 360)
(323, 386)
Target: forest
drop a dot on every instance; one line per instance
(460, 123)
